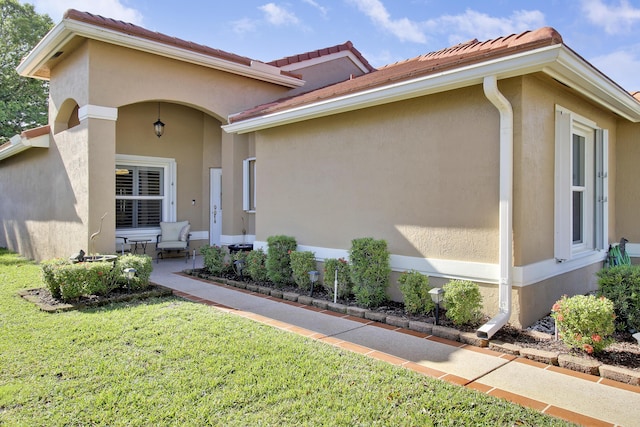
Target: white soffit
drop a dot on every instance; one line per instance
(557, 61)
(18, 144)
(62, 33)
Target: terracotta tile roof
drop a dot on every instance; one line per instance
(136, 31)
(35, 132)
(462, 54)
(347, 46)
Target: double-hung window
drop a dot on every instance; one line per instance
(144, 195)
(580, 186)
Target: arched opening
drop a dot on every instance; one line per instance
(67, 116)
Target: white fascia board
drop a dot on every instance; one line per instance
(557, 61)
(573, 71)
(67, 29)
(326, 58)
(18, 144)
(51, 43)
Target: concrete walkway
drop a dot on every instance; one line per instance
(584, 399)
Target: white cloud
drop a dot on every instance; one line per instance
(107, 8)
(614, 19)
(622, 67)
(277, 15)
(404, 29)
(244, 25)
(322, 9)
(472, 24)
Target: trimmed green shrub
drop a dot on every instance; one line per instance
(301, 264)
(49, 268)
(621, 285)
(585, 322)
(415, 290)
(239, 258)
(344, 277)
(66, 280)
(256, 265)
(215, 259)
(463, 301)
(143, 264)
(278, 262)
(369, 271)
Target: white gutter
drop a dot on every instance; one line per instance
(20, 143)
(490, 86)
(557, 61)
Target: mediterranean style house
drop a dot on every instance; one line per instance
(511, 162)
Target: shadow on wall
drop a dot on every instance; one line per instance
(37, 197)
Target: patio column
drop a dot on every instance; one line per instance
(101, 150)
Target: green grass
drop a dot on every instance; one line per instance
(167, 361)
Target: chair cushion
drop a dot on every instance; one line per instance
(184, 232)
(175, 244)
(170, 231)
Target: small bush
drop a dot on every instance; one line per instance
(256, 265)
(278, 263)
(344, 277)
(49, 268)
(585, 322)
(621, 285)
(237, 259)
(415, 290)
(143, 264)
(463, 301)
(301, 264)
(369, 271)
(215, 259)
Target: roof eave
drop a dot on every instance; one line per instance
(22, 142)
(557, 60)
(55, 40)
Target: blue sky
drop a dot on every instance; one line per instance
(604, 32)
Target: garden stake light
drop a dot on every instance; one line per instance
(436, 297)
(313, 276)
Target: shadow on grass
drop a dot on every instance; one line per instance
(9, 258)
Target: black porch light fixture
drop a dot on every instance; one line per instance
(158, 126)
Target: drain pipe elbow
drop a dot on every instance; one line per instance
(493, 94)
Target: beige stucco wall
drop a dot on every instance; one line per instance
(195, 99)
(414, 173)
(627, 182)
(534, 154)
(326, 73)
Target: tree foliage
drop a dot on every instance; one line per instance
(23, 101)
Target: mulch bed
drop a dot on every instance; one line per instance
(46, 302)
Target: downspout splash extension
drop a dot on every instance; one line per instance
(490, 86)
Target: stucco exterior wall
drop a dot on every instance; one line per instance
(534, 154)
(627, 182)
(421, 174)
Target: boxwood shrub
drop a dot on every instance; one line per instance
(415, 291)
(301, 264)
(344, 277)
(369, 271)
(278, 262)
(621, 285)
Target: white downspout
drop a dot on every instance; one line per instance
(490, 85)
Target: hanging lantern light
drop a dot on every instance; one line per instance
(158, 126)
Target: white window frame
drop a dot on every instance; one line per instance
(169, 188)
(595, 189)
(249, 185)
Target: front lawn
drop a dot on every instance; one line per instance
(167, 361)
